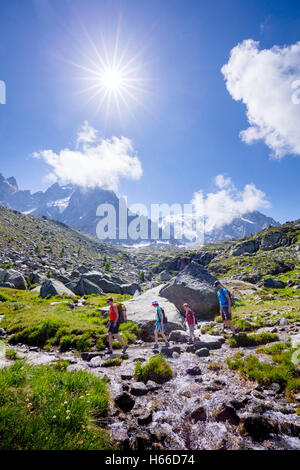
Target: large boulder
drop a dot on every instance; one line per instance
(280, 266)
(106, 285)
(196, 286)
(198, 414)
(203, 352)
(86, 287)
(7, 284)
(209, 342)
(130, 289)
(138, 389)
(273, 240)
(250, 246)
(3, 274)
(273, 283)
(13, 279)
(140, 309)
(51, 288)
(226, 413)
(147, 329)
(72, 285)
(125, 402)
(37, 278)
(179, 336)
(164, 276)
(256, 426)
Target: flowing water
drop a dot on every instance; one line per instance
(172, 404)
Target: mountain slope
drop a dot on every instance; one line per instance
(77, 208)
(29, 243)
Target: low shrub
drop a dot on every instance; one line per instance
(130, 327)
(156, 369)
(36, 335)
(281, 371)
(273, 349)
(65, 343)
(244, 340)
(100, 344)
(112, 362)
(61, 365)
(4, 298)
(83, 342)
(293, 387)
(11, 354)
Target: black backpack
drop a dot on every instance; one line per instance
(229, 295)
(165, 319)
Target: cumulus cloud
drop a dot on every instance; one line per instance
(222, 206)
(94, 162)
(86, 134)
(207, 212)
(265, 81)
(222, 181)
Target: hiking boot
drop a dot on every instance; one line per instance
(167, 344)
(109, 351)
(190, 341)
(155, 346)
(124, 349)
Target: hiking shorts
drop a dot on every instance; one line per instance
(114, 329)
(159, 326)
(226, 316)
(192, 328)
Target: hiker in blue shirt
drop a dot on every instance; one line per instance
(225, 306)
(159, 326)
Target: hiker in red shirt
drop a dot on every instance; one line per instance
(113, 326)
(190, 320)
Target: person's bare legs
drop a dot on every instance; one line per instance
(156, 331)
(163, 335)
(110, 341)
(117, 337)
(156, 335)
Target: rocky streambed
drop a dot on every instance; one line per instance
(205, 406)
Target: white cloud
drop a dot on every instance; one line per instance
(263, 80)
(222, 181)
(97, 162)
(221, 207)
(207, 212)
(86, 134)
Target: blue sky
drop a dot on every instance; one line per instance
(185, 130)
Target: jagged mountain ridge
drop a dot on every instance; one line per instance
(77, 207)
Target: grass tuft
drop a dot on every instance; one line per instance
(47, 408)
(156, 369)
(244, 340)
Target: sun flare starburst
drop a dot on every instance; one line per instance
(113, 76)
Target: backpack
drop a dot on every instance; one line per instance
(121, 313)
(192, 315)
(229, 295)
(165, 319)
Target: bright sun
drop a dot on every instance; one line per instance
(113, 77)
